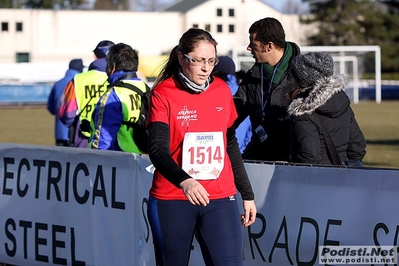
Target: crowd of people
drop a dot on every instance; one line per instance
(204, 117)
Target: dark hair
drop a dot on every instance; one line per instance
(268, 30)
(123, 57)
(220, 74)
(187, 43)
(296, 93)
(239, 75)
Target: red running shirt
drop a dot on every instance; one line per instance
(209, 111)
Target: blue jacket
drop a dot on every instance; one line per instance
(60, 131)
(109, 115)
(244, 130)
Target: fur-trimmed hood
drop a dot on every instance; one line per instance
(318, 95)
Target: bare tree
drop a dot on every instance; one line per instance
(292, 7)
(11, 3)
(111, 5)
(148, 5)
(43, 4)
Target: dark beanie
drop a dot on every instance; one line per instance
(311, 67)
(102, 48)
(76, 64)
(225, 65)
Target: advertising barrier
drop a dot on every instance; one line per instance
(72, 206)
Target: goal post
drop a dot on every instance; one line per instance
(355, 69)
(340, 54)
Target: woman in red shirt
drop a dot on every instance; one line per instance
(198, 163)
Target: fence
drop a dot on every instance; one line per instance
(71, 206)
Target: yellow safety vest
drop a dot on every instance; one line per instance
(89, 87)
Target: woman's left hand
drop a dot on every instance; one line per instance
(195, 192)
(249, 216)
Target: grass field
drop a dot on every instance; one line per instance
(379, 123)
(380, 126)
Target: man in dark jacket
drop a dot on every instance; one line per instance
(262, 92)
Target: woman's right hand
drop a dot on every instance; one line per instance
(195, 192)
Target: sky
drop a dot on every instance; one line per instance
(280, 5)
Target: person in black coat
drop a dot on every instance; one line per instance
(318, 101)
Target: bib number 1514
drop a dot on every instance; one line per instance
(203, 154)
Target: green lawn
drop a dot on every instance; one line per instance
(27, 125)
(379, 123)
(380, 126)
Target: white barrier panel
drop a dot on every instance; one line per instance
(65, 206)
(69, 206)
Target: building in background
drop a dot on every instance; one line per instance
(46, 39)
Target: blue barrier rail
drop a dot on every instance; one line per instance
(26, 93)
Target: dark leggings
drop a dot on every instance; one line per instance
(216, 226)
